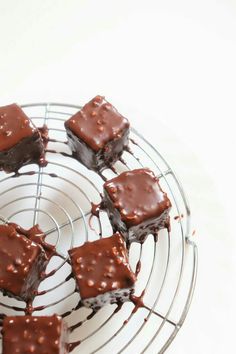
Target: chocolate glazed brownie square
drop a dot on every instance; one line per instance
(102, 271)
(22, 262)
(136, 204)
(97, 134)
(31, 334)
(20, 140)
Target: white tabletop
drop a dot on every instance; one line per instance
(170, 67)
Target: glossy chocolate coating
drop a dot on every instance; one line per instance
(14, 126)
(138, 196)
(36, 235)
(101, 266)
(97, 123)
(134, 199)
(21, 264)
(31, 334)
(20, 140)
(97, 134)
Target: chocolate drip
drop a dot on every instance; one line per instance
(119, 306)
(137, 301)
(113, 170)
(95, 209)
(36, 235)
(138, 268)
(178, 217)
(18, 174)
(130, 151)
(15, 308)
(73, 345)
(66, 155)
(53, 175)
(101, 175)
(68, 313)
(123, 161)
(45, 137)
(133, 142)
(77, 325)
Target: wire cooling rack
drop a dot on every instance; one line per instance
(58, 197)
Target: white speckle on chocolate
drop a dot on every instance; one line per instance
(112, 270)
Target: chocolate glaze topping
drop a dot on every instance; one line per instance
(36, 235)
(97, 123)
(137, 195)
(31, 334)
(21, 263)
(21, 142)
(95, 209)
(101, 266)
(14, 126)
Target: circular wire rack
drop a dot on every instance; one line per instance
(58, 197)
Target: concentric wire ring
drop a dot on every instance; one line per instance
(59, 198)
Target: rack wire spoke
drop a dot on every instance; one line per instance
(40, 177)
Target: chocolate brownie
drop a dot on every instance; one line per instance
(102, 271)
(22, 262)
(31, 334)
(97, 134)
(136, 204)
(20, 140)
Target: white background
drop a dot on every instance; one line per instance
(170, 67)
